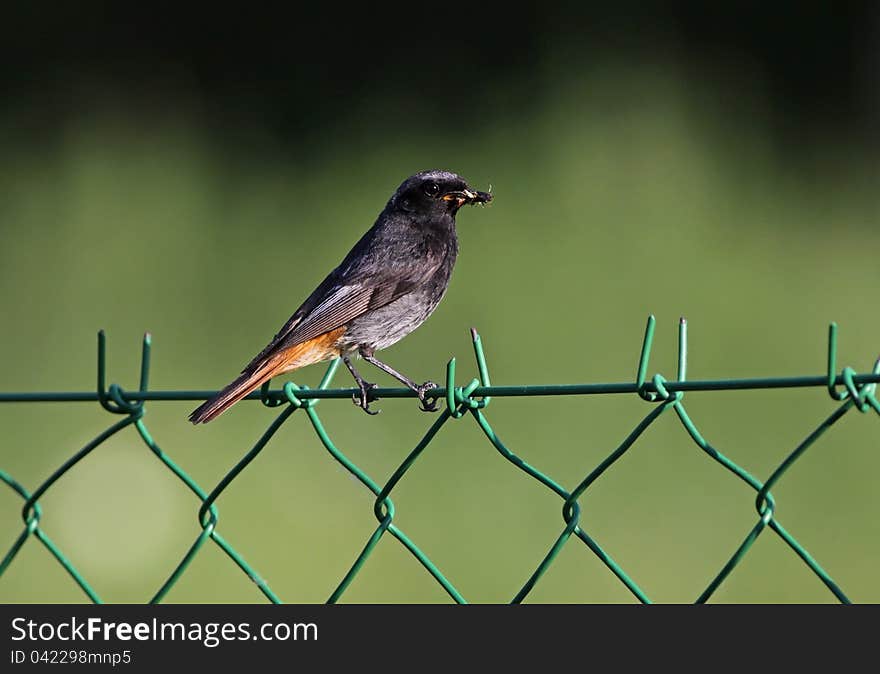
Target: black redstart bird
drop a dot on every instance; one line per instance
(385, 288)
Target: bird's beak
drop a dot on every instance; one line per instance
(468, 196)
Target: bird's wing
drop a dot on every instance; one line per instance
(346, 302)
(343, 297)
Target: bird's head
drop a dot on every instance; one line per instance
(436, 193)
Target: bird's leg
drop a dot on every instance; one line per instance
(364, 399)
(420, 389)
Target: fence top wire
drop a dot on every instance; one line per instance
(851, 389)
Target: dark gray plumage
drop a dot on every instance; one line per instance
(388, 284)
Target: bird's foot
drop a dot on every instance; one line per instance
(365, 397)
(428, 403)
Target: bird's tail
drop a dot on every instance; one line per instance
(260, 371)
(231, 394)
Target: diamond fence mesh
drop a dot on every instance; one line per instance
(849, 390)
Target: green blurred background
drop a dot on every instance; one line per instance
(196, 177)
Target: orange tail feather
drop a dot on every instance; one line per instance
(315, 350)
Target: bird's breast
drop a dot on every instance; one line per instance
(381, 327)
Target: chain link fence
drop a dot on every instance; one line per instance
(849, 390)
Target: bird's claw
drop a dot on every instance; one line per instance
(363, 399)
(427, 403)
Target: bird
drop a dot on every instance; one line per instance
(388, 284)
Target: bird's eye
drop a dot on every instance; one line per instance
(431, 189)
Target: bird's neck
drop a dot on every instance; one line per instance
(441, 233)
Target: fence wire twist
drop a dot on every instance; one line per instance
(851, 390)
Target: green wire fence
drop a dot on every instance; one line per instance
(849, 389)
